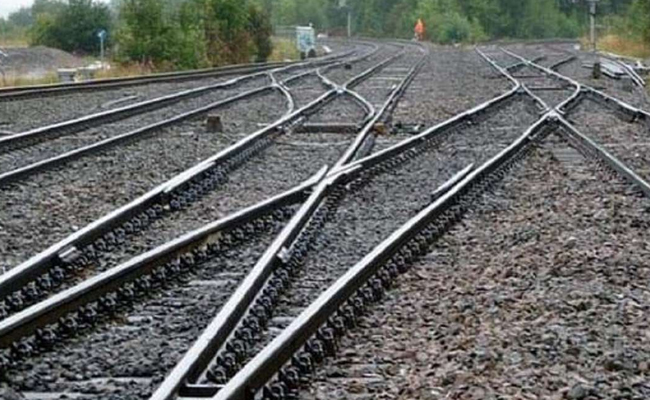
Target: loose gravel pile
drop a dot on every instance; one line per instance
(128, 357)
(49, 206)
(369, 215)
(539, 293)
(628, 141)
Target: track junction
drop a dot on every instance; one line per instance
(278, 256)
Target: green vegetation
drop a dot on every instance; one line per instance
(168, 34)
(449, 21)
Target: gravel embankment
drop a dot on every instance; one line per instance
(128, 357)
(51, 148)
(49, 206)
(627, 141)
(539, 293)
(369, 215)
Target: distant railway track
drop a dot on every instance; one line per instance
(23, 92)
(318, 254)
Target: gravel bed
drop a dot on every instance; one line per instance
(341, 75)
(451, 81)
(379, 86)
(62, 144)
(534, 295)
(49, 206)
(307, 89)
(343, 109)
(127, 357)
(629, 142)
(367, 216)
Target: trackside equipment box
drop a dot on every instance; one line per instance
(306, 40)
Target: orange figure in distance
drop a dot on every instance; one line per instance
(419, 30)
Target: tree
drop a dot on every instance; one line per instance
(74, 27)
(261, 30)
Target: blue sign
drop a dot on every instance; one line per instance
(102, 34)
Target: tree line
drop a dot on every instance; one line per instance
(449, 21)
(163, 33)
(198, 33)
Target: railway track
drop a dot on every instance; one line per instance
(257, 177)
(86, 176)
(287, 278)
(40, 144)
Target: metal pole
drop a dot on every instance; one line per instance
(101, 51)
(349, 22)
(592, 18)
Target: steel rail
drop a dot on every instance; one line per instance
(636, 78)
(199, 356)
(600, 152)
(275, 355)
(48, 311)
(20, 92)
(55, 161)
(395, 94)
(18, 277)
(529, 92)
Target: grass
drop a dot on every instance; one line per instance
(14, 42)
(124, 70)
(13, 80)
(284, 49)
(624, 46)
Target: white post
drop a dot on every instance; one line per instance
(101, 50)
